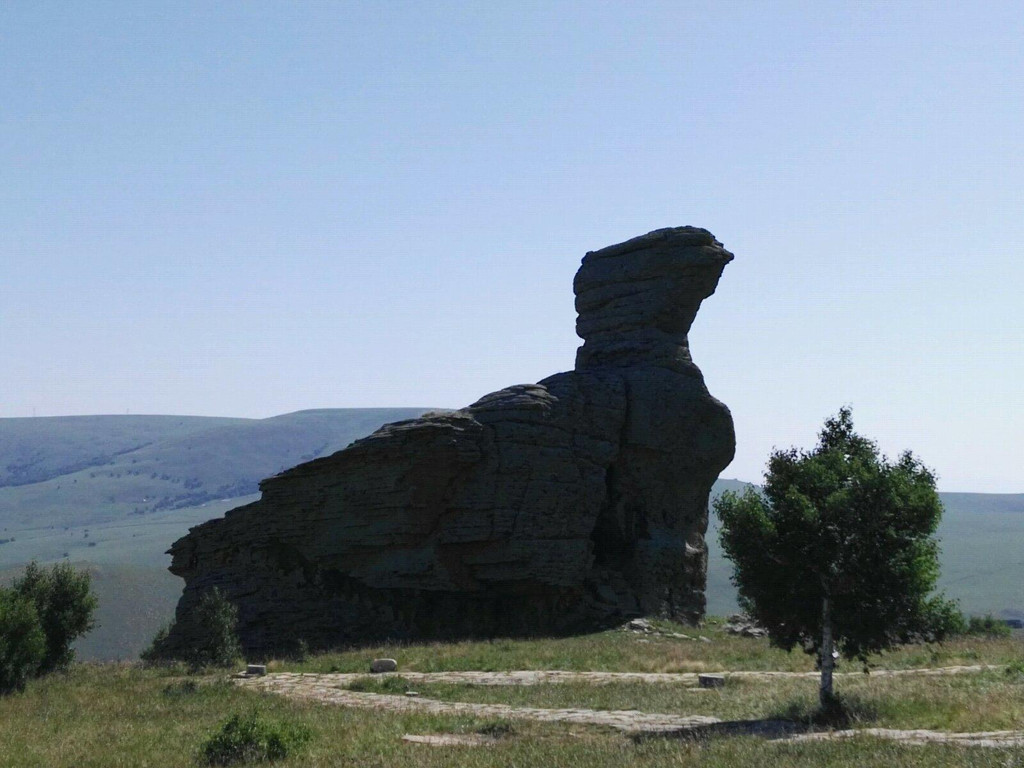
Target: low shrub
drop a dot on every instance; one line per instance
(496, 729)
(214, 642)
(250, 739)
(22, 641)
(1015, 670)
(218, 645)
(987, 626)
(154, 652)
(65, 605)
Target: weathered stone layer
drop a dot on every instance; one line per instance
(542, 508)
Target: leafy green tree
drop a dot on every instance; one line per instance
(217, 619)
(65, 604)
(22, 642)
(839, 549)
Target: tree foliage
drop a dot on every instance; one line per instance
(22, 642)
(217, 619)
(64, 602)
(250, 739)
(839, 547)
(212, 638)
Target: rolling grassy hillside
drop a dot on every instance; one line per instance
(34, 450)
(113, 492)
(149, 464)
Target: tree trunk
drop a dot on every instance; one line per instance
(828, 662)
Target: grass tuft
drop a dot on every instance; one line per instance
(390, 684)
(250, 739)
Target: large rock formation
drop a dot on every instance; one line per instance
(543, 508)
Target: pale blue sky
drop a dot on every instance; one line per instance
(253, 208)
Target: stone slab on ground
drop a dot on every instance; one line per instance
(450, 739)
(995, 739)
(550, 677)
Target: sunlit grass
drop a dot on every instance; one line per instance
(619, 651)
(122, 715)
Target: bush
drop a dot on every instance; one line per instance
(250, 739)
(213, 641)
(22, 641)
(154, 653)
(987, 626)
(217, 620)
(65, 605)
(1015, 670)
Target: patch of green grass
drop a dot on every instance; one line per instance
(390, 684)
(970, 702)
(251, 739)
(619, 651)
(114, 715)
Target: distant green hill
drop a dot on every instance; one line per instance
(96, 469)
(38, 449)
(113, 492)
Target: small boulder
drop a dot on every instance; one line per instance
(639, 625)
(743, 625)
(255, 670)
(711, 681)
(383, 665)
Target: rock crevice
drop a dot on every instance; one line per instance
(568, 504)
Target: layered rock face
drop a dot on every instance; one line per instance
(553, 507)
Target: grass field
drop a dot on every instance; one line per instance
(123, 715)
(615, 650)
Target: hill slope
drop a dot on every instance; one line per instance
(99, 469)
(38, 449)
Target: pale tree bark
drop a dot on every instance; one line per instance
(828, 661)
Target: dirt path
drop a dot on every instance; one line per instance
(543, 677)
(315, 688)
(330, 689)
(1004, 739)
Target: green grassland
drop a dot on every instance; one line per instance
(166, 463)
(124, 715)
(33, 450)
(616, 650)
